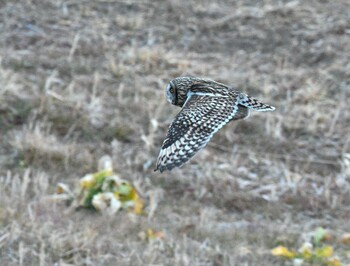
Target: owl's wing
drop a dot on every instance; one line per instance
(200, 118)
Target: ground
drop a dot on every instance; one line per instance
(81, 79)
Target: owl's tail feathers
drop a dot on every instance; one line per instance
(254, 104)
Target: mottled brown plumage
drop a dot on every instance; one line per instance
(206, 107)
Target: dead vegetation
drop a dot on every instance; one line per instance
(80, 79)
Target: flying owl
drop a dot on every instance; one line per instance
(207, 106)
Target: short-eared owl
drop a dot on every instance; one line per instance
(206, 107)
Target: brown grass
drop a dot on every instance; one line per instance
(80, 79)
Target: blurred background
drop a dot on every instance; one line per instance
(83, 78)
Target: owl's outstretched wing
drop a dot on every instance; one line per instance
(200, 118)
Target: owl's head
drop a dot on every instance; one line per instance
(177, 89)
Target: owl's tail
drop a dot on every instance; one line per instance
(254, 104)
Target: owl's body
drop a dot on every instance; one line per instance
(206, 107)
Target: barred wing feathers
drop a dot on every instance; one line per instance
(202, 115)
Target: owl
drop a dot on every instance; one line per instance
(207, 106)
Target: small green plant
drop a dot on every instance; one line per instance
(104, 191)
(315, 252)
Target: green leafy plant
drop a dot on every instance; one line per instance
(103, 191)
(315, 252)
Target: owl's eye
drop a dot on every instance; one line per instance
(171, 90)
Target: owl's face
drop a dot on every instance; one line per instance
(177, 89)
(170, 93)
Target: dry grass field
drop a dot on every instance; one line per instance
(83, 78)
